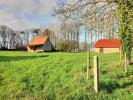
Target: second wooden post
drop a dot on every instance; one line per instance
(125, 62)
(96, 74)
(88, 63)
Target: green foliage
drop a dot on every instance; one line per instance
(61, 76)
(62, 46)
(125, 18)
(68, 45)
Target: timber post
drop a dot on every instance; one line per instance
(120, 55)
(96, 74)
(88, 63)
(125, 62)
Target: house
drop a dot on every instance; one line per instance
(40, 44)
(107, 46)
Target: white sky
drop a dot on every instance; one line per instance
(18, 14)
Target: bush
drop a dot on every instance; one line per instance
(3, 48)
(68, 45)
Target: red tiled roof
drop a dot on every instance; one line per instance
(107, 43)
(38, 41)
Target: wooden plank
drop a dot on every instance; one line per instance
(125, 62)
(88, 63)
(96, 74)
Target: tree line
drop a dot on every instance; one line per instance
(64, 36)
(105, 18)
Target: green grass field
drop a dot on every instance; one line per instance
(61, 76)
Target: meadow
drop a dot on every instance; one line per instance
(62, 76)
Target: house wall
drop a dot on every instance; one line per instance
(35, 48)
(48, 46)
(29, 49)
(107, 50)
(39, 48)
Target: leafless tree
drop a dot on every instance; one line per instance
(115, 15)
(7, 36)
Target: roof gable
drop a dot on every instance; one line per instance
(107, 43)
(38, 41)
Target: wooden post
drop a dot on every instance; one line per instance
(96, 74)
(120, 55)
(125, 62)
(88, 63)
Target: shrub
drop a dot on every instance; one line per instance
(68, 45)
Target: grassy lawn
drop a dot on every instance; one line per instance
(50, 76)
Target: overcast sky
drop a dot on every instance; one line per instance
(19, 14)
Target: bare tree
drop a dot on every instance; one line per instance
(35, 32)
(115, 12)
(7, 35)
